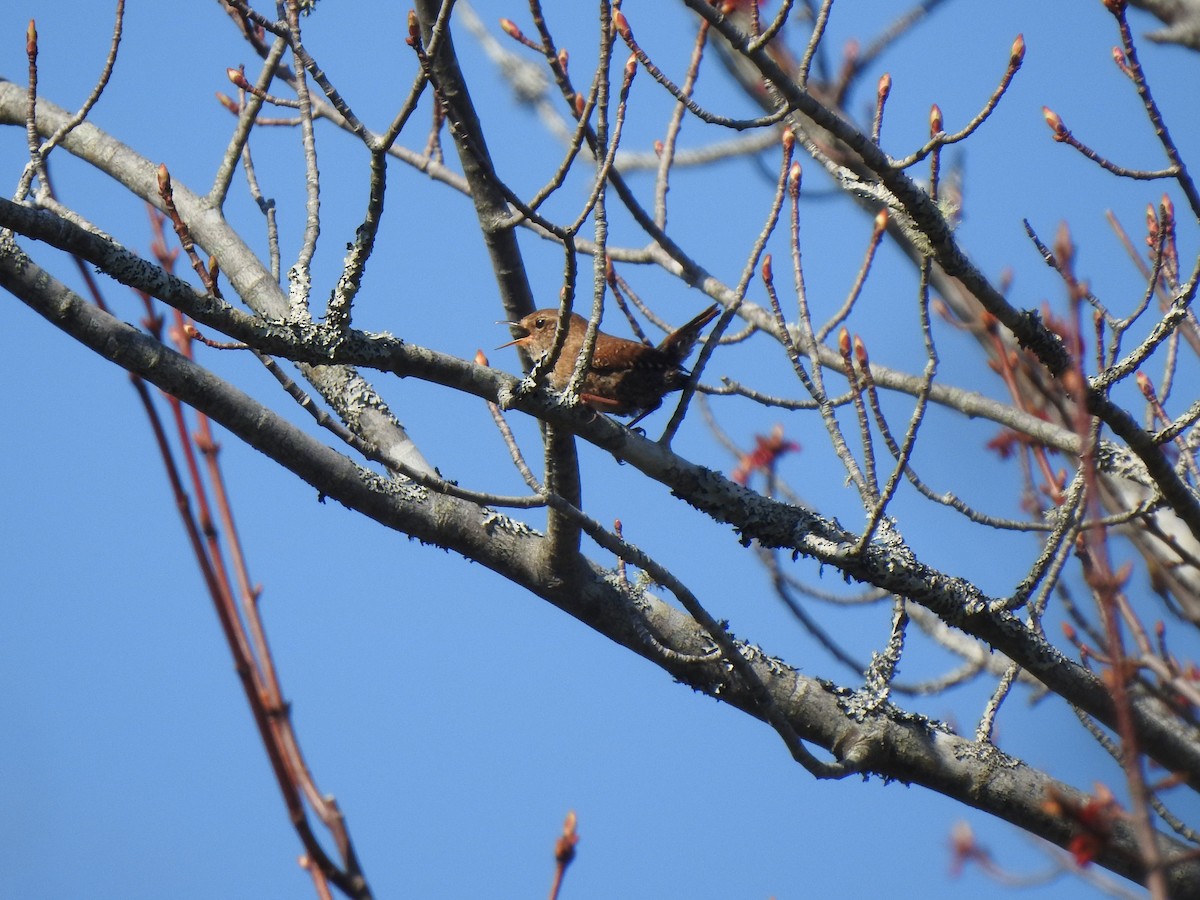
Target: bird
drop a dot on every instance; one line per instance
(625, 378)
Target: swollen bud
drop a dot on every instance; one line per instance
(622, 25)
(860, 354)
(238, 77)
(794, 179)
(885, 86)
(1055, 123)
(1018, 51)
(1118, 56)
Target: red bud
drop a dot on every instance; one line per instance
(885, 86)
(794, 178)
(238, 77)
(622, 25)
(1055, 123)
(1018, 50)
(860, 353)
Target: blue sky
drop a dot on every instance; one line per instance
(456, 718)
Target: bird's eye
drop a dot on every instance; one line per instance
(540, 322)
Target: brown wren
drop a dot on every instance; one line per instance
(625, 377)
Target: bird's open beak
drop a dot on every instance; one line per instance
(519, 341)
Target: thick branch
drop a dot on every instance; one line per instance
(886, 742)
(887, 563)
